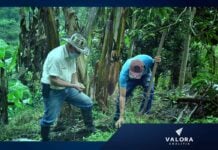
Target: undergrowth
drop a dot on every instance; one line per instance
(25, 122)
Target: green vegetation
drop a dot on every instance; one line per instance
(23, 124)
(194, 102)
(9, 25)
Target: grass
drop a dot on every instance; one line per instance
(99, 136)
(24, 124)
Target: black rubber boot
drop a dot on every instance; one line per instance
(88, 120)
(45, 133)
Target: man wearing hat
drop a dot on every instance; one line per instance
(60, 83)
(135, 71)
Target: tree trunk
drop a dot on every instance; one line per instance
(37, 38)
(102, 68)
(185, 55)
(92, 21)
(108, 68)
(23, 50)
(115, 54)
(50, 25)
(132, 45)
(71, 21)
(3, 95)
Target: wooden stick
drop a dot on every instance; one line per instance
(181, 114)
(189, 116)
(154, 69)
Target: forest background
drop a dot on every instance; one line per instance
(186, 89)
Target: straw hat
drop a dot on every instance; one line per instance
(79, 42)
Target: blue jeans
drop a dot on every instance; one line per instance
(131, 84)
(53, 101)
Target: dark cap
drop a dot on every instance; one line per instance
(136, 69)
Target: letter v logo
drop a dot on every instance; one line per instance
(179, 131)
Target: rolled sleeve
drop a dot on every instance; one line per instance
(54, 69)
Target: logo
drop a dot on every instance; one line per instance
(179, 140)
(179, 131)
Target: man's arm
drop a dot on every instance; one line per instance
(74, 80)
(56, 81)
(122, 99)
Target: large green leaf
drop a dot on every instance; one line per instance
(18, 92)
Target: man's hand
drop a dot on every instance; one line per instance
(157, 59)
(82, 86)
(119, 122)
(79, 86)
